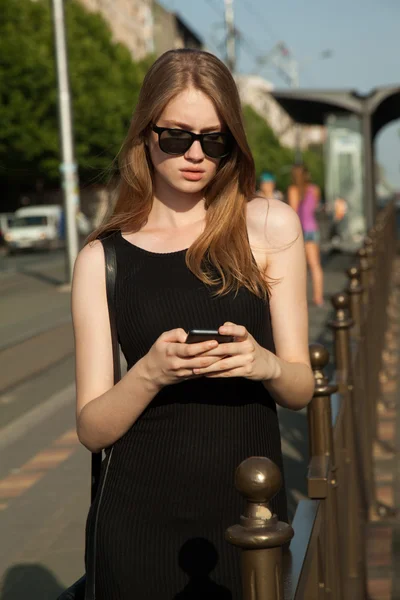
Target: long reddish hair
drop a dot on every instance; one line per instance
(221, 255)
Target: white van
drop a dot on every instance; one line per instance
(35, 227)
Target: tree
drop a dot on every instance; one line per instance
(105, 84)
(270, 155)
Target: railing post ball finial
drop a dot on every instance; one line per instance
(340, 301)
(258, 479)
(319, 357)
(354, 275)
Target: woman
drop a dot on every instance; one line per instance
(304, 198)
(185, 415)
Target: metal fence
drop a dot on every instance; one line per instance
(327, 555)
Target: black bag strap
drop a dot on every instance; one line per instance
(111, 276)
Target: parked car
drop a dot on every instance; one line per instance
(5, 220)
(35, 227)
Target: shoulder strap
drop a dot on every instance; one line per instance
(111, 276)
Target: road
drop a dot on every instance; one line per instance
(44, 472)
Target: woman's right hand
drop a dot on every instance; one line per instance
(170, 360)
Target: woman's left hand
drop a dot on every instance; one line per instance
(243, 357)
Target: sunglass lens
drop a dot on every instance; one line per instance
(174, 141)
(216, 145)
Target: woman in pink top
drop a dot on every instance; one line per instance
(304, 197)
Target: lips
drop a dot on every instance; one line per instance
(192, 174)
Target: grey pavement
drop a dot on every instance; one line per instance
(42, 526)
(31, 297)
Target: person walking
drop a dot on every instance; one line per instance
(196, 249)
(304, 197)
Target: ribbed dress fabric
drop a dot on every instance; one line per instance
(169, 494)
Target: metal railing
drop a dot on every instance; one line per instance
(326, 557)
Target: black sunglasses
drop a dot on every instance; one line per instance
(178, 141)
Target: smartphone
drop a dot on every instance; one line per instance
(196, 336)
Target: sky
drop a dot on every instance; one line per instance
(362, 35)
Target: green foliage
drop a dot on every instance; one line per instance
(105, 83)
(267, 151)
(270, 155)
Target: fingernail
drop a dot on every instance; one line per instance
(196, 371)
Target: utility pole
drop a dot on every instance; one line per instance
(289, 69)
(68, 166)
(287, 66)
(295, 84)
(230, 36)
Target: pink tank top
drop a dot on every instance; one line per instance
(306, 210)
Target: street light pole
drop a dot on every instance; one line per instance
(230, 35)
(68, 166)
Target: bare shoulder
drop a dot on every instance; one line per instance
(89, 270)
(90, 259)
(272, 222)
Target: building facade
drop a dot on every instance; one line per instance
(171, 32)
(144, 26)
(255, 91)
(131, 22)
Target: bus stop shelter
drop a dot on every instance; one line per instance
(375, 110)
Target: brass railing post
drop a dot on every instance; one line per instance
(369, 245)
(322, 457)
(341, 325)
(355, 291)
(260, 535)
(364, 268)
(351, 484)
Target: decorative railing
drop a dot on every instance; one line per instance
(327, 556)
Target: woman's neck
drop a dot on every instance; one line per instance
(175, 209)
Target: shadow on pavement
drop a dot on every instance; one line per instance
(41, 276)
(25, 581)
(198, 557)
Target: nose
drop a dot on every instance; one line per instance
(195, 151)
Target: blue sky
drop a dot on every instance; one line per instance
(362, 34)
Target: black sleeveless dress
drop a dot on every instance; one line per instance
(170, 492)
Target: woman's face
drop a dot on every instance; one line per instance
(190, 172)
(267, 188)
